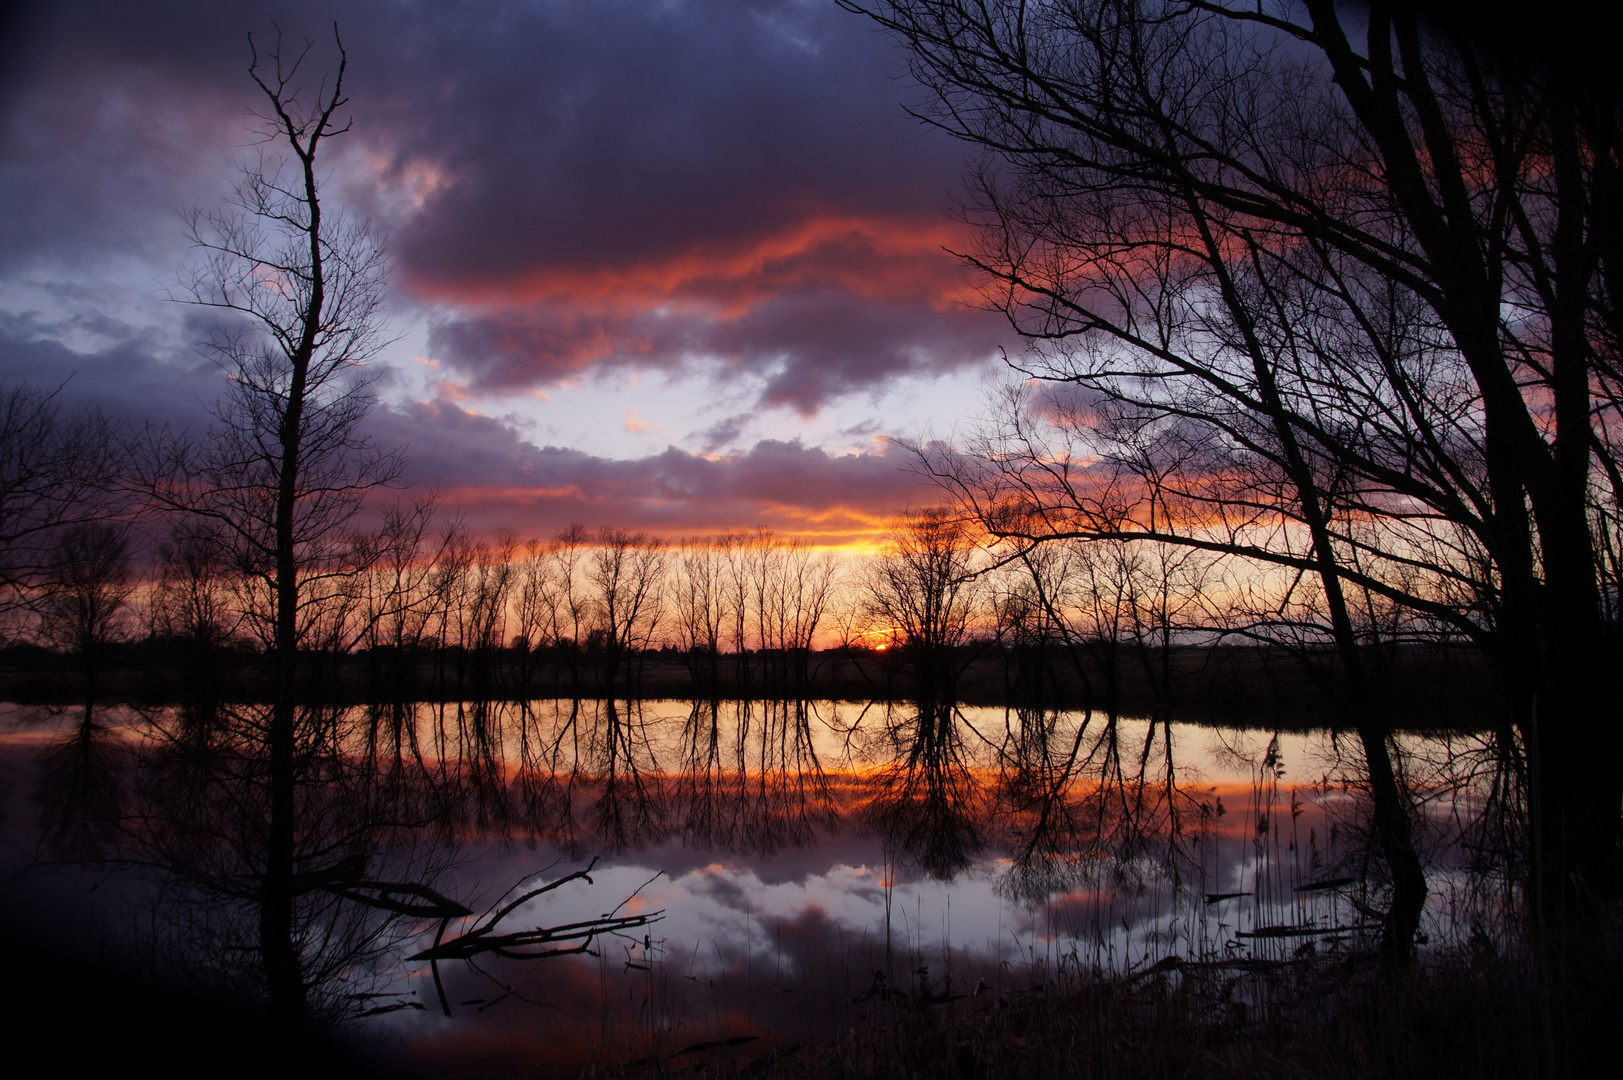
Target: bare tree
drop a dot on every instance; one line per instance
(58, 469)
(624, 571)
(923, 593)
(535, 607)
(86, 607)
(572, 611)
(192, 597)
(281, 474)
(1356, 276)
(700, 609)
(489, 599)
(809, 581)
(738, 554)
(398, 601)
(790, 590)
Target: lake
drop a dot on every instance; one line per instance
(773, 869)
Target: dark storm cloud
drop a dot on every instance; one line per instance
(716, 181)
(113, 118)
(832, 346)
(584, 136)
(134, 378)
(807, 347)
(570, 185)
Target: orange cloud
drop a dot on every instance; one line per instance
(873, 257)
(636, 424)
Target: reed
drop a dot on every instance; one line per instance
(1472, 1010)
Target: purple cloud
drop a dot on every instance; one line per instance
(496, 478)
(569, 186)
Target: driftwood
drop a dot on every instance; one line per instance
(386, 895)
(420, 901)
(1303, 931)
(520, 944)
(537, 943)
(513, 945)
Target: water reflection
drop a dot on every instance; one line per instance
(371, 809)
(1089, 791)
(796, 846)
(731, 799)
(81, 788)
(927, 801)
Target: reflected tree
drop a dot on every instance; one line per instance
(923, 595)
(85, 610)
(928, 803)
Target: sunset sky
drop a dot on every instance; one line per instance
(676, 266)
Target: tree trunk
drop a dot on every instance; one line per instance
(284, 977)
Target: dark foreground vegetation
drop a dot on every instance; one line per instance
(1471, 1013)
(124, 1019)
(1462, 1015)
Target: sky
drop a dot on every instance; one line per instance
(678, 266)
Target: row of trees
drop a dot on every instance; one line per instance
(447, 610)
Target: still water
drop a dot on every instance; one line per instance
(773, 867)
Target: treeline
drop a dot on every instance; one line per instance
(581, 612)
(411, 609)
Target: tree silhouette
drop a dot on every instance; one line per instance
(58, 470)
(1341, 287)
(281, 473)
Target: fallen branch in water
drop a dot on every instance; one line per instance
(385, 896)
(481, 940)
(538, 943)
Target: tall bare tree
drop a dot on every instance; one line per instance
(285, 467)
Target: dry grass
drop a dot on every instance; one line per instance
(1468, 1013)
